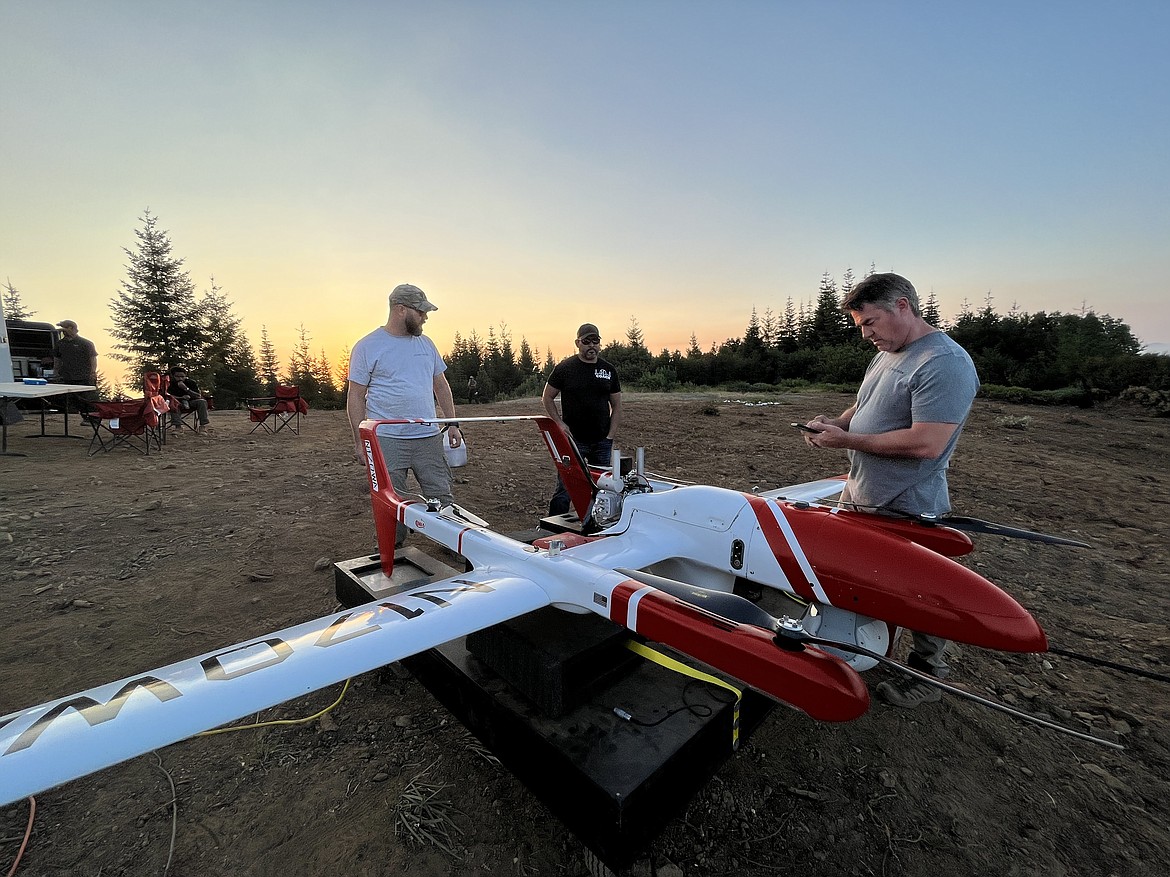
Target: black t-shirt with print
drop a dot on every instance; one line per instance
(585, 389)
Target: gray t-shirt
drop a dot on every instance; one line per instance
(399, 374)
(930, 380)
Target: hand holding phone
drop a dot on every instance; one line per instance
(803, 428)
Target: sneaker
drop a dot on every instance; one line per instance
(908, 692)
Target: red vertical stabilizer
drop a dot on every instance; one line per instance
(571, 467)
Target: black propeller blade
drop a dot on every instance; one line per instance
(975, 525)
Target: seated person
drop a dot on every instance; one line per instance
(186, 392)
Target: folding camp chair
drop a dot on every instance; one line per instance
(131, 424)
(284, 409)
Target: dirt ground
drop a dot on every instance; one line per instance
(120, 563)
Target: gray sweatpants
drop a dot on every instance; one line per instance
(425, 458)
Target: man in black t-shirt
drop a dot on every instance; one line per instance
(75, 362)
(591, 402)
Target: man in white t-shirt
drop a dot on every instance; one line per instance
(396, 372)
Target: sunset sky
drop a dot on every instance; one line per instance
(538, 164)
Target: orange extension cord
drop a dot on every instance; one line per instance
(32, 812)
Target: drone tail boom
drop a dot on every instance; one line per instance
(808, 679)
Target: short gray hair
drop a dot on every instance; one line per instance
(882, 290)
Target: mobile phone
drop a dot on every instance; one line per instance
(803, 428)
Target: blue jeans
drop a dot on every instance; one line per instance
(599, 453)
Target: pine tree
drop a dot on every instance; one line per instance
(789, 338)
(14, 308)
(769, 328)
(227, 365)
(342, 369)
(828, 326)
(930, 310)
(502, 363)
(327, 393)
(156, 319)
(302, 367)
(527, 361)
(269, 366)
(634, 335)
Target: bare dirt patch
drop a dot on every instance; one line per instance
(120, 563)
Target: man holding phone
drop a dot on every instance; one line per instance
(901, 432)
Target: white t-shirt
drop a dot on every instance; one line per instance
(399, 373)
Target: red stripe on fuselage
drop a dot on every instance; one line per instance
(778, 542)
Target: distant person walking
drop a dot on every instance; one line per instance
(591, 405)
(901, 432)
(75, 362)
(396, 373)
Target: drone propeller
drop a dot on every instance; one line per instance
(975, 525)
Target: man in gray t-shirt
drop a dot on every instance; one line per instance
(395, 373)
(901, 431)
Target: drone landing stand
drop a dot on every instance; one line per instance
(540, 692)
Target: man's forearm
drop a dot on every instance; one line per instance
(355, 409)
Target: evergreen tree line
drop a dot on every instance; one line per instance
(159, 321)
(1071, 357)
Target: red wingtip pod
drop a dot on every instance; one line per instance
(941, 539)
(571, 468)
(816, 683)
(872, 571)
(385, 501)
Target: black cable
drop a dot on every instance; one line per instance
(957, 692)
(701, 710)
(1101, 662)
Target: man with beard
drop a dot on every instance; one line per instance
(901, 432)
(396, 372)
(591, 402)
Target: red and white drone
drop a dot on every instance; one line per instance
(656, 556)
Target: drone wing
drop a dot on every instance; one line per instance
(46, 745)
(809, 491)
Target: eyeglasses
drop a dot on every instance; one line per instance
(589, 339)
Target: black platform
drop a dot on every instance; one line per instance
(614, 782)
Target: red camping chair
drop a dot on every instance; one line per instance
(132, 424)
(285, 409)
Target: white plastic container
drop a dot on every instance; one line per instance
(456, 457)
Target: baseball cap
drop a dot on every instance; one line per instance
(411, 296)
(67, 324)
(586, 330)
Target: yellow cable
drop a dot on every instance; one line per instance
(344, 689)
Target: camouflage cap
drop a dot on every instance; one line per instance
(586, 330)
(411, 296)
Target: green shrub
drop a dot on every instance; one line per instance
(1156, 401)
